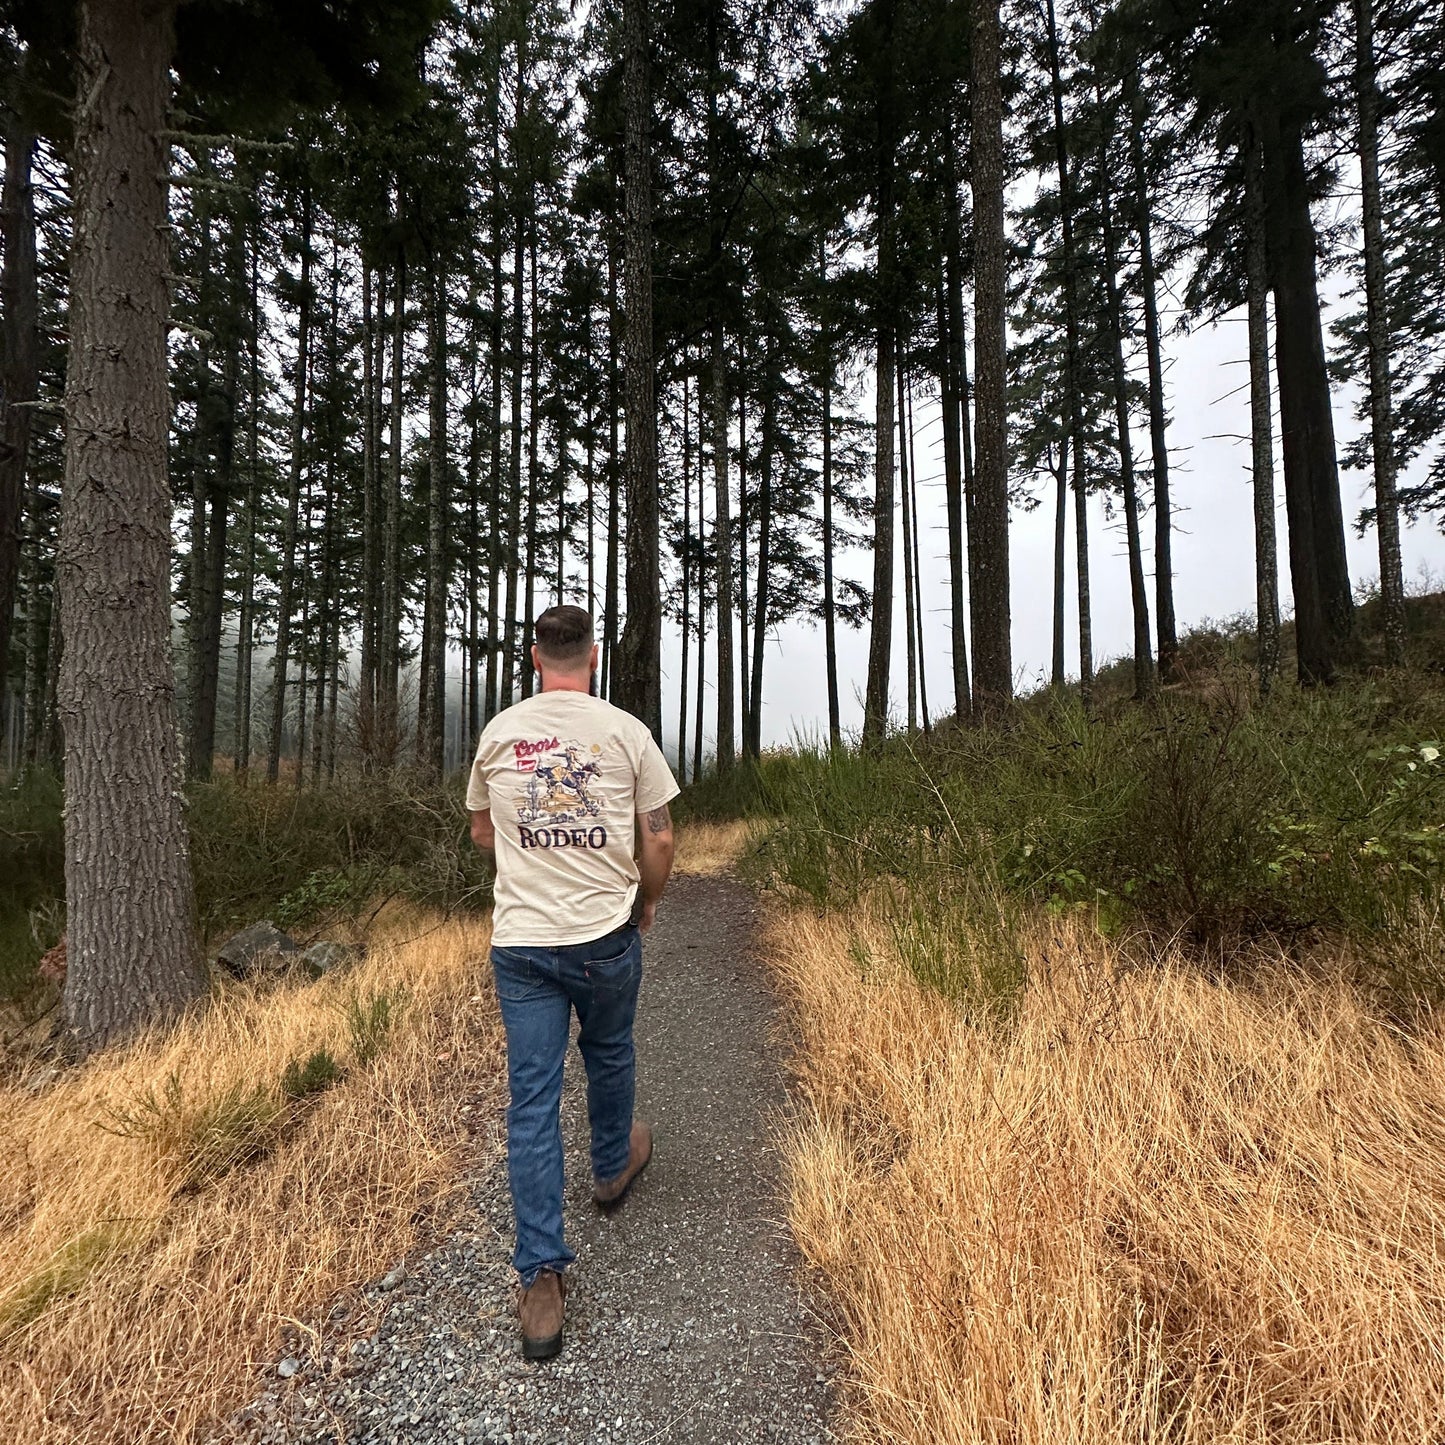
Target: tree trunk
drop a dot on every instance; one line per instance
(471, 720)
(1319, 571)
(303, 650)
(431, 747)
(370, 540)
(907, 403)
(957, 451)
(612, 600)
(529, 598)
(1164, 622)
(702, 405)
(42, 629)
(222, 487)
(1266, 555)
(722, 528)
(1081, 568)
(1071, 443)
(1138, 594)
(590, 465)
(830, 622)
(745, 672)
(723, 544)
(329, 606)
(686, 557)
(195, 573)
(880, 642)
(905, 489)
(1382, 425)
(131, 948)
(640, 650)
(989, 533)
(511, 658)
(388, 706)
(286, 590)
(19, 361)
(246, 621)
(1061, 516)
(754, 740)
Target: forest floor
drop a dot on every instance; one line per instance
(688, 1319)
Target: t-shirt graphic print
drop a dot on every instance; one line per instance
(565, 776)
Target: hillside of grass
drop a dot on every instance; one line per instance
(1120, 1061)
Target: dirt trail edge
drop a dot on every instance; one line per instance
(687, 1319)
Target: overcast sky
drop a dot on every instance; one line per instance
(1213, 553)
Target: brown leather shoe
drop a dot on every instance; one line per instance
(609, 1193)
(542, 1307)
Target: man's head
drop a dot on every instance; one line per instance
(564, 651)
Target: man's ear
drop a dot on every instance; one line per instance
(596, 657)
(536, 659)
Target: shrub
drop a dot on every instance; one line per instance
(198, 1137)
(301, 1080)
(369, 1021)
(1213, 815)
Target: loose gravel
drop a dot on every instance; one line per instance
(687, 1320)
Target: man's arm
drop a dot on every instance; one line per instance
(654, 859)
(483, 834)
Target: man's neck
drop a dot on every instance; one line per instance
(563, 682)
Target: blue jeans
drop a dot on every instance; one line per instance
(538, 988)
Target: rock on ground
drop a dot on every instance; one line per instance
(687, 1318)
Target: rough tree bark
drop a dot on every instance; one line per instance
(753, 741)
(370, 540)
(612, 583)
(1377, 324)
(1266, 556)
(957, 449)
(19, 361)
(1138, 594)
(880, 642)
(830, 622)
(388, 677)
(639, 680)
(722, 529)
(723, 542)
(246, 620)
(431, 746)
(988, 534)
(1319, 569)
(905, 492)
(129, 908)
(1071, 443)
(1164, 623)
(529, 588)
(286, 590)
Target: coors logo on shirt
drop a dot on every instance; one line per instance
(555, 806)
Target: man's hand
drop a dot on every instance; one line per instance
(654, 860)
(484, 835)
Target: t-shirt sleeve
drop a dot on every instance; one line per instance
(655, 783)
(478, 795)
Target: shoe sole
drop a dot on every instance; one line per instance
(543, 1349)
(607, 1206)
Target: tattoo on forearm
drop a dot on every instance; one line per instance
(659, 820)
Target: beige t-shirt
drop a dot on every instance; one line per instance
(565, 776)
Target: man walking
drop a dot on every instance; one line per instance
(560, 784)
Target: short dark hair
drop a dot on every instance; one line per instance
(564, 635)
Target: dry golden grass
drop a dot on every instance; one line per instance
(137, 1296)
(1146, 1207)
(705, 848)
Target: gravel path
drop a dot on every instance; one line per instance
(687, 1321)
